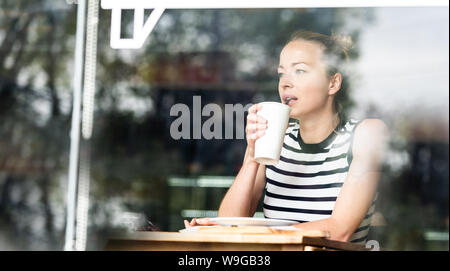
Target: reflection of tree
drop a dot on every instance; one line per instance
(253, 37)
(414, 187)
(132, 155)
(33, 132)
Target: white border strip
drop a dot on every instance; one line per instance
(75, 127)
(143, 29)
(202, 4)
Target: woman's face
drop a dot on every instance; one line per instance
(302, 76)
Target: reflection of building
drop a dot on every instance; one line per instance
(200, 70)
(414, 197)
(190, 69)
(429, 141)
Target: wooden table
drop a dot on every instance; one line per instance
(229, 239)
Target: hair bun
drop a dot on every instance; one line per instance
(344, 41)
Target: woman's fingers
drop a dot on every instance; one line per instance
(254, 108)
(254, 118)
(255, 123)
(206, 221)
(256, 135)
(255, 127)
(188, 224)
(199, 221)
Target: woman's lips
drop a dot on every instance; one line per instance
(290, 100)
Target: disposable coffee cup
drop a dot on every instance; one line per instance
(268, 147)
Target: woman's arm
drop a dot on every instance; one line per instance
(246, 189)
(243, 196)
(359, 188)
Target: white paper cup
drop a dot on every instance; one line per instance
(268, 147)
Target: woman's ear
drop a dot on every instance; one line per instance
(335, 83)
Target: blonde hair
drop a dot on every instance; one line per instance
(338, 45)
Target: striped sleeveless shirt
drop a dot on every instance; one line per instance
(306, 182)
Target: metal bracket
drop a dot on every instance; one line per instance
(141, 29)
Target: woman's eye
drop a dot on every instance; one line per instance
(280, 75)
(299, 71)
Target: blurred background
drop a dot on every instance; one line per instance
(138, 173)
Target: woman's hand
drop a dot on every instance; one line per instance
(199, 222)
(256, 128)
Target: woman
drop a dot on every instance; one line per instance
(329, 166)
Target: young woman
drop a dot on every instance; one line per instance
(329, 166)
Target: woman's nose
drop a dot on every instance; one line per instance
(286, 82)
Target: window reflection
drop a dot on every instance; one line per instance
(139, 173)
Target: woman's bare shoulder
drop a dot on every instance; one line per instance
(370, 134)
(371, 127)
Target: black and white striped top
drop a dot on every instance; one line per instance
(306, 182)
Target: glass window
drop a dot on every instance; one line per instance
(169, 118)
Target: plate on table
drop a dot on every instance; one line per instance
(251, 221)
